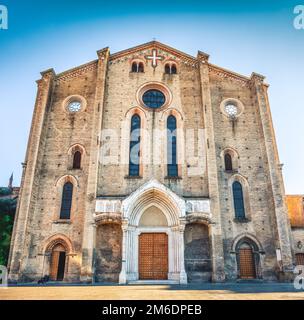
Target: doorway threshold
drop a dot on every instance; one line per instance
(153, 282)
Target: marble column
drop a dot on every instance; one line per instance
(183, 274)
(123, 272)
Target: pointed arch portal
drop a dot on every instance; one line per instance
(153, 235)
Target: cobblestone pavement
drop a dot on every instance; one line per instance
(157, 292)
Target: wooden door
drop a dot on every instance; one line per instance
(153, 256)
(247, 264)
(300, 259)
(57, 265)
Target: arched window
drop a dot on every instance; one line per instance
(228, 162)
(167, 68)
(171, 147)
(134, 155)
(137, 67)
(77, 160)
(173, 69)
(140, 67)
(134, 67)
(66, 202)
(170, 68)
(238, 200)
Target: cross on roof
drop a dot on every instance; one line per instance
(154, 58)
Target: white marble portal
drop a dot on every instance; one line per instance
(153, 196)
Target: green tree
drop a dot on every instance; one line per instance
(7, 215)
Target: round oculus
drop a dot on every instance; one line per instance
(153, 99)
(74, 106)
(231, 110)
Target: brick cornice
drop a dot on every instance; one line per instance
(77, 71)
(142, 49)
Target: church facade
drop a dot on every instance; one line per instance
(151, 164)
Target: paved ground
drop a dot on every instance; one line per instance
(158, 292)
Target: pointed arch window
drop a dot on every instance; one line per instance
(238, 200)
(171, 147)
(134, 154)
(228, 162)
(77, 160)
(66, 201)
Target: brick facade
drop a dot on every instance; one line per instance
(101, 235)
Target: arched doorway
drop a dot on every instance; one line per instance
(197, 252)
(246, 261)
(58, 262)
(153, 208)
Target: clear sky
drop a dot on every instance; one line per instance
(242, 36)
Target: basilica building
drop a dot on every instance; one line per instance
(149, 165)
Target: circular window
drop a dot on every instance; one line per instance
(231, 110)
(74, 106)
(154, 98)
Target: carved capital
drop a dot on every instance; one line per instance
(124, 225)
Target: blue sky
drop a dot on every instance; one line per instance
(243, 36)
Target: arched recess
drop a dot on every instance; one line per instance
(108, 252)
(198, 252)
(233, 154)
(57, 250)
(74, 149)
(153, 216)
(59, 187)
(248, 257)
(246, 196)
(55, 239)
(248, 236)
(155, 193)
(179, 133)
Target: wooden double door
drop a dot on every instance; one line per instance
(153, 256)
